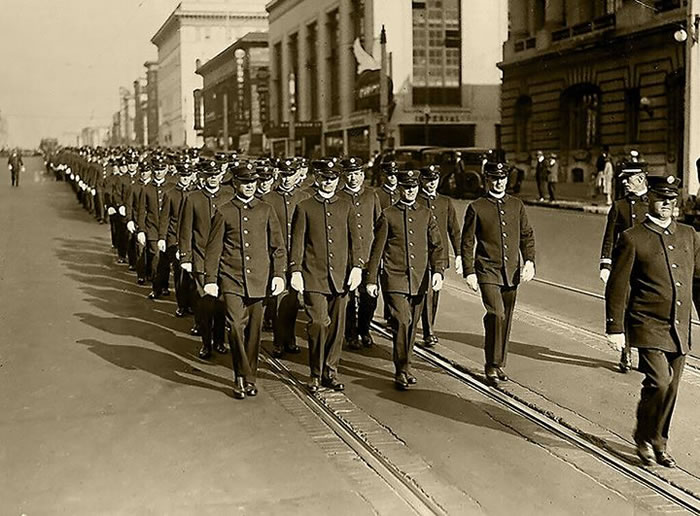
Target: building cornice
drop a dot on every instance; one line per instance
(250, 40)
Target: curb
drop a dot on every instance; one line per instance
(586, 208)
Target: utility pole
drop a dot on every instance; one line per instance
(383, 93)
(225, 121)
(691, 138)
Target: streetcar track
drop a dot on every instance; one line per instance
(678, 495)
(410, 492)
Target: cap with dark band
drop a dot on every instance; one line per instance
(264, 172)
(630, 168)
(209, 167)
(496, 169)
(408, 177)
(430, 173)
(245, 172)
(390, 168)
(287, 167)
(325, 168)
(351, 164)
(184, 168)
(664, 186)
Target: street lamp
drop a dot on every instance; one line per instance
(426, 127)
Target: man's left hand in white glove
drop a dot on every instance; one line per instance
(436, 281)
(459, 269)
(131, 226)
(141, 237)
(355, 278)
(211, 289)
(528, 271)
(277, 286)
(111, 211)
(161, 246)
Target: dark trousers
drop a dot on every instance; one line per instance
(244, 318)
(143, 260)
(123, 237)
(285, 321)
(114, 229)
(405, 313)
(210, 315)
(662, 375)
(541, 185)
(499, 302)
(160, 267)
(15, 178)
(270, 310)
(429, 311)
(100, 211)
(326, 329)
(132, 249)
(360, 311)
(552, 188)
(181, 279)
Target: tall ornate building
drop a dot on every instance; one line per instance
(442, 55)
(194, 32)
(582, 74)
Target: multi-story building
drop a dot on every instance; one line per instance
(152, 121)
(234, 96)
(581, 74)
(442, 57)
(194, 32)
(94, 136)
(140, 111)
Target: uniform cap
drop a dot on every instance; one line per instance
(209, 167)
(264, 172)
(390, 168)
(245, 172)
(158, 162)
(430, 172)
(288, 166)
(326, 168)
(184, 168)
(632, 167)
(496, 169)
(351, 164)
(408, 177)
(664, 186)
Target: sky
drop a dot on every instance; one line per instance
(62, 62)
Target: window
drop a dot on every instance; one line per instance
(294, 66)
(522, 116)
(632, 100)
(580, 116)
(539, 14)
(277, 82)
(333, 61)
(437, 52)
(312, 69)
(675, 90)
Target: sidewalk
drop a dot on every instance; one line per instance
(570, 196)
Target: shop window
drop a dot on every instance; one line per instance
(580, 116)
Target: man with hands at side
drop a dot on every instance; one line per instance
(495, 234)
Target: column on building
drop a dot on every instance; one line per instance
(303, 109)
(322, 76)
(554, 14)
(518, 10)
(284, 77)
(347, 62)
(531, 6)
(578, 12)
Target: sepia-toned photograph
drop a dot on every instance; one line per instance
(349, 257)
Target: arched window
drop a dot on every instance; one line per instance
(580, 110)
(523, 113)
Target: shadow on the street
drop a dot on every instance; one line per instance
(534, 351)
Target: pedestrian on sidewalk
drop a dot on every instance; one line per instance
(648, 301)
(606, 180)
(495, 234)
(597, 178)
(552, 176)
(16, 166)
(541, 174)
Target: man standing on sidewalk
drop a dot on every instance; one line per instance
(16, 166)
(541, 174)
(498, 224)
(648, 301)
(624, 213)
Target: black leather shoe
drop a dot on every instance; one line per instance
(354, 343)
(121, 261)
(132, 268)
(277, 352)
(314, 385)
(239, 389)
(502, 376)
(491, 376)
(430, 341)
(293, 349)
(333, 383)
(141, 281)
(220, 348)
(153, 295)
(194, 330)
(180, 312)
(367, 341)
(664, 459)
(645, 452)
(625, 364)
(165, 292)
(267, 326)
(204, 352)
(401, 381)
(251, 389)
(411, 379)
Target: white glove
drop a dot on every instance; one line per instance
(277, 286)
(111, 211)
(604, 275)
(93, 192)
(177, 255)
(616, 341)
(459, 269)
(373, 289)
(161, 246)
(131, 226)
(211, 289)
(186, 267)
(472, 282)
(528, 271)
(72, 177)
(122, 211)
(22, 169)
(297, 282)
(437, 281)
(141, 237)
(68, 169)
(355, 278)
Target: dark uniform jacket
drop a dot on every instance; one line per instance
(387, 197)
(245, 248)
(195, 223)
(134, 200)
(444, 213)
(127, 184)
(366, 208)
(325, 243)
(502, 232)
(284, 203)
(659, 268)
(623, 214)
(151, 207)
(406, 240)
(170, 217)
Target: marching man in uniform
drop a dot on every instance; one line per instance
(245, 249)
(407, 241)
(648, 300)
(498, 225)
(325, 262)
(624, 213)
